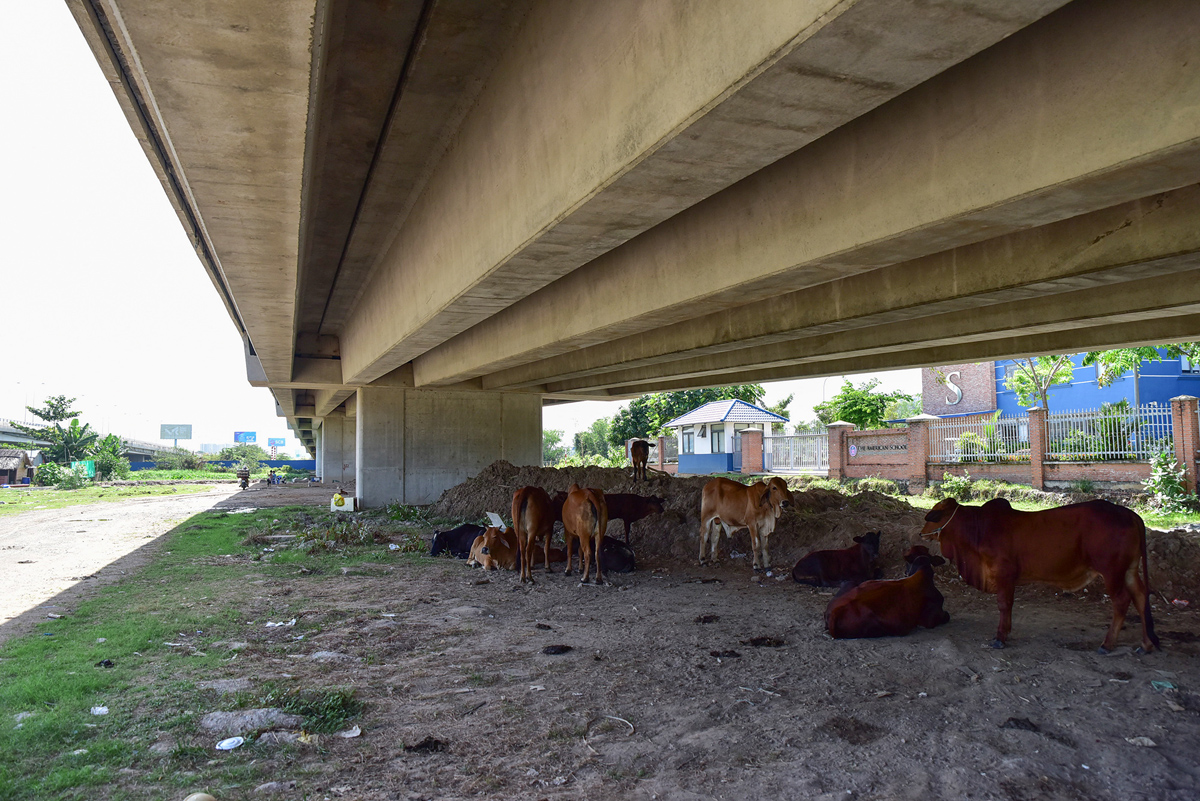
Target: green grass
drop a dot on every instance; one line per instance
(15, 501)
(184, 596)
(185, 475)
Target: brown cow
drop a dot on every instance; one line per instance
(632, 508)
(729, 505)
(889, 608)
(996, 547)
(639, 454)
(495, 549)
(534, 514)
(832, 568)
(585, 516)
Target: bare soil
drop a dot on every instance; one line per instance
(683, 682)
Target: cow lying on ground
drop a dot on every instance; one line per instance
(833, 568)
(534, 513)
(729, 505)
(457, 541)
(889, 608)
(996, 547)
(632, 508)
(616, 556)
(494, 549)
(639, 454)
(584, 517)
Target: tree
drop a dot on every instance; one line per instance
(1034, 375)
(903, 409)
(56, 410)
(553, 451)
(781, 409)
(71, 443)
(862, 405)
(109, 461)
(1116, 363)
(244, 452)
(645, 416)
(595, 443)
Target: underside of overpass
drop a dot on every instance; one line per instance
(433, 216)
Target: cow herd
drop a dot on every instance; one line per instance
(994, 548)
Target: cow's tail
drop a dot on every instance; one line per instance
(594, 525)
(519, 526)
(1148, 618)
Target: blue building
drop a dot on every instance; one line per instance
(710, 436)
(1154, 383)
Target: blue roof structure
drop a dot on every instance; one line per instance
(726, 411)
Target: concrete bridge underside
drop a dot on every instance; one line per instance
(429, 218)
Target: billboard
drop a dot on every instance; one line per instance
(245, 436)
(276, 442)
(174, 431)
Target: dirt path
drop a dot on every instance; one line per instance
(50, 557)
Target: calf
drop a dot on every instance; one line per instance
(889, 608)
(584, 517)
(495, 549)
(632, 508)
(729, 505)
(639, 454)
(457, 541)
(833, 568)
(534, 513)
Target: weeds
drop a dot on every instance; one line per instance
(324, 711)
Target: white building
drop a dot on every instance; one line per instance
(710, 435)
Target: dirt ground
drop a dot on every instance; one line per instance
(664, 693)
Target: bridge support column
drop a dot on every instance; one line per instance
(335, 449)
(413, 444)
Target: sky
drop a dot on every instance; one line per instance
(102, 298)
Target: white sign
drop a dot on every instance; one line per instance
(168, 431)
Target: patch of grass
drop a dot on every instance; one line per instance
(15, 501)
(324, 711)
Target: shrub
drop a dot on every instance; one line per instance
(957, 487)
(179, 460)
(72, 479)
(48, 474)
(1083, 486)
(1167, 486)
(884, 486)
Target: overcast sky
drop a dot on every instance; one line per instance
(101, 296)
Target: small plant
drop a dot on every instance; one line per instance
(324, 711)
(48, 474)
(957, 487)
(1083, 486)
(73, 479)
(884, 486)
(1167, 485)
(406, 514)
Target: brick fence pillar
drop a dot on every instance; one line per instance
(752, 451)
(837, 448)
(662, 447)
(918, 452)
(1186, 430)
(1037, 447)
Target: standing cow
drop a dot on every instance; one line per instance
(729, 505)
(585, 517)
(639, 454)
(996, 547)
(534, 513)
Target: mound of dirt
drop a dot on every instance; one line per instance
(822, 518)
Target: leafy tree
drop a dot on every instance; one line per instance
(780, 408)
(1035, 375)
(72, 443)
(810, 427)
(645, 416)
(903, 409)
(862, 405)
(109, 461)
(56, 410)
(243, 452)
(553, 451)
(595, 442)
(1116, 363)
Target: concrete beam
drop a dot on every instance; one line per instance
(1146, 297)
(1106, 247)
(1019, 136)
(1140, 332)
(601, 120)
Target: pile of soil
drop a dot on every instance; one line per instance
(821, 519)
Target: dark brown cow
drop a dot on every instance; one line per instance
(534, 514)
(632, 508)
(833, 568)
(639, 454)
(889, 608)
(729, 505)
(996, 547)
(584, 517)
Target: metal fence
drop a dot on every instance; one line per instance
(979, 438)
(1114, 432)
(796, 453)
(670, 450)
